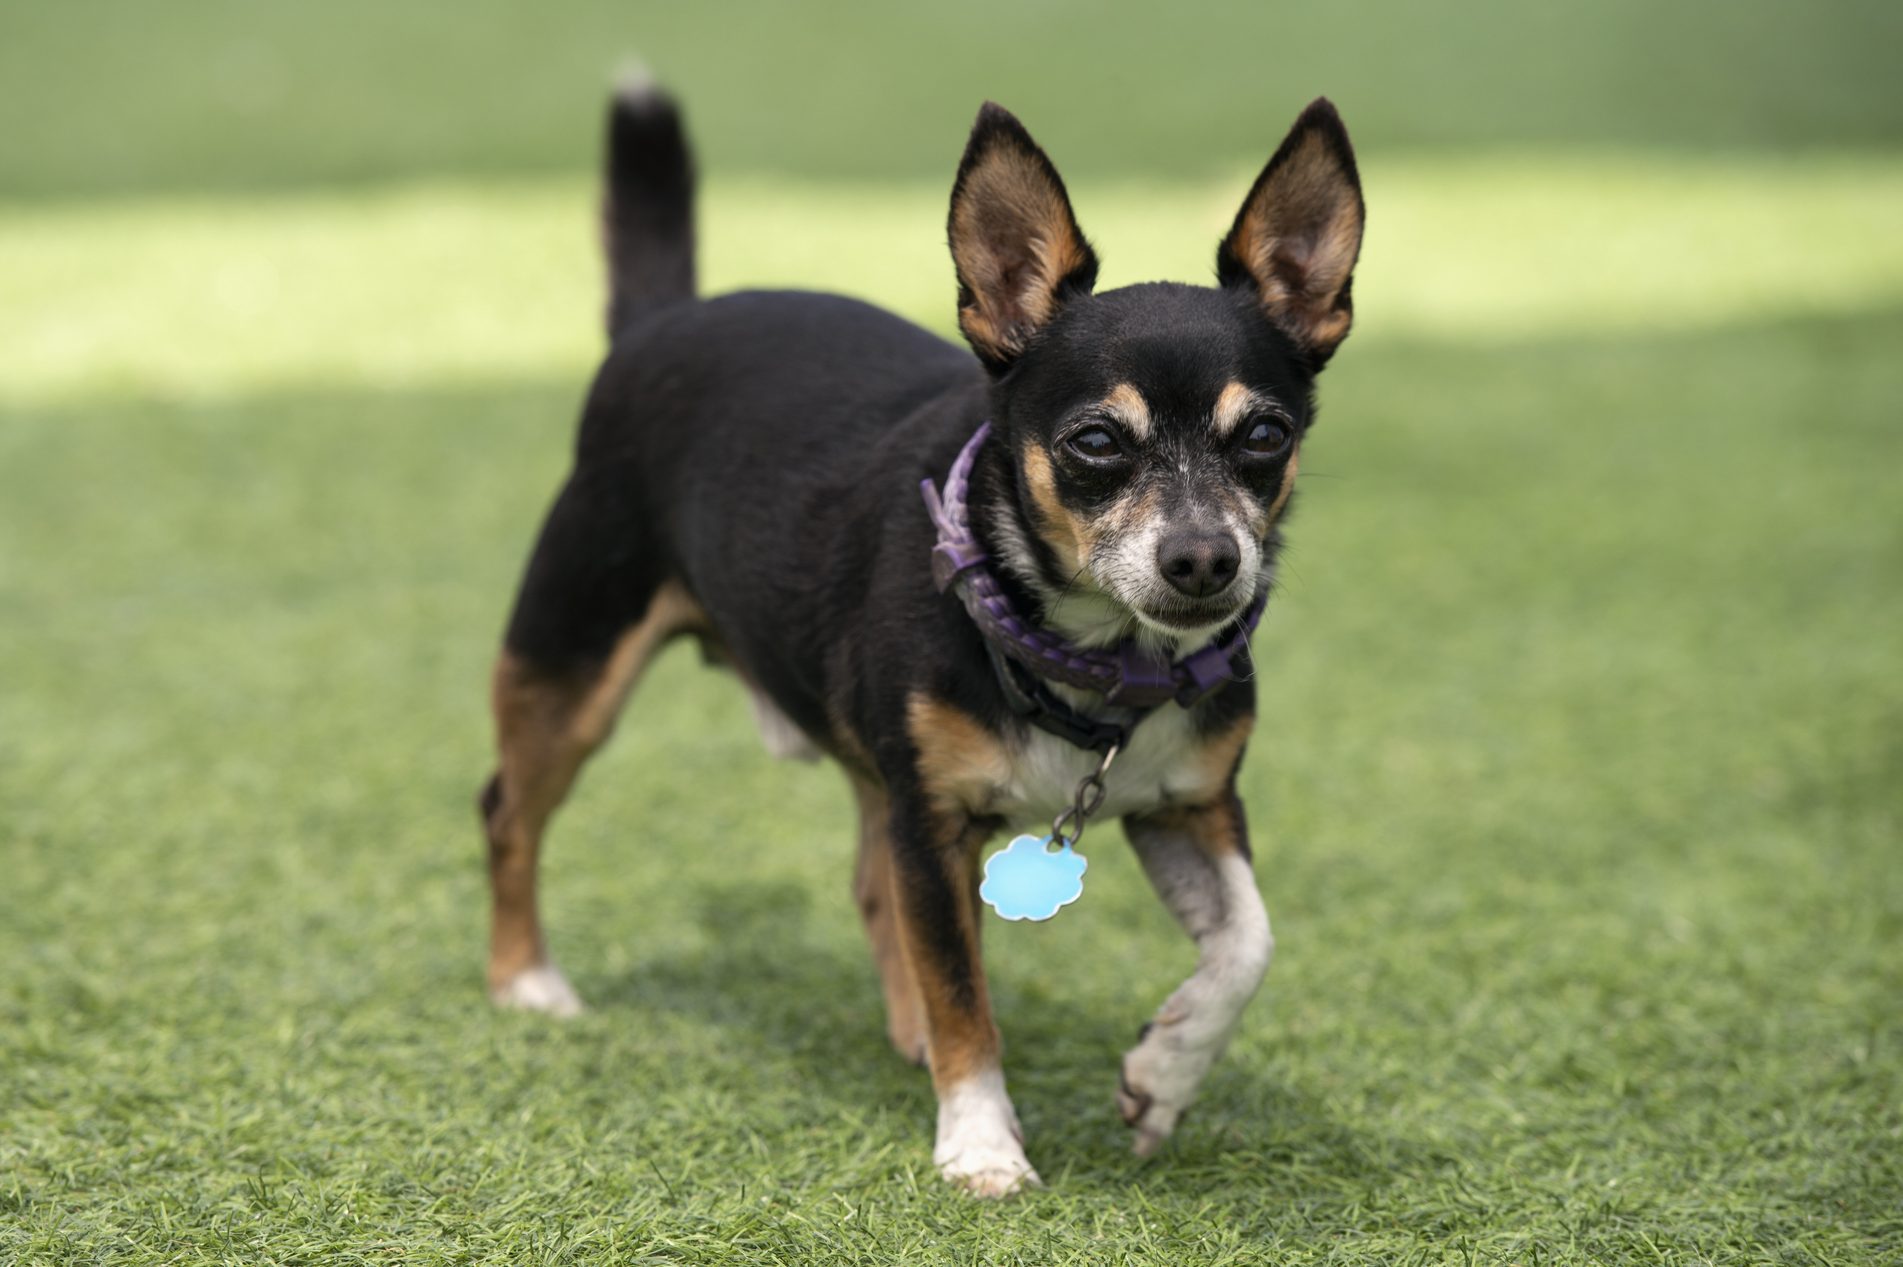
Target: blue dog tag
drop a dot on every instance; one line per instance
(1029, 880)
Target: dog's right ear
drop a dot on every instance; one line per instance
(1014, 241)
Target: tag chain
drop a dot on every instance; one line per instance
(1087, 800)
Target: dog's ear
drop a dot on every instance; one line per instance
(1294, 243)
(1014, 241)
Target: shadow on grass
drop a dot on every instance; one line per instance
(779, 998)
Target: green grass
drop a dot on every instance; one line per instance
(1575, 802)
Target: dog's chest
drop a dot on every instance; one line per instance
(1165, 762)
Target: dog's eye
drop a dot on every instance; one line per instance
(1266, 438)
(1098, 444)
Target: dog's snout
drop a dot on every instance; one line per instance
(1198, 563)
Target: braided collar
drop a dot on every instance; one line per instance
(1126, 675)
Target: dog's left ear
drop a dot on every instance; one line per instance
(1014, 241)
(1295, 241)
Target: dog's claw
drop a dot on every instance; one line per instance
(1136, 1109)
(1145, 1108)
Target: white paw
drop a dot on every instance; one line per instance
(1159, 1080)
(1000, 1178)
(980, 1147)
(988, 1172)
(539, 989)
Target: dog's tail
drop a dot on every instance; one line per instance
(647, 213)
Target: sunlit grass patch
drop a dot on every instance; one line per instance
(457, 283)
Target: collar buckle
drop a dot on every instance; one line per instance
(952, 559)
(1143, 680)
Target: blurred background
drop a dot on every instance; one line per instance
(1577, 793)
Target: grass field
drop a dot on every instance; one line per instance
(1576, 800)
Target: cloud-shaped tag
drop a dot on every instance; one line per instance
(1027, 880)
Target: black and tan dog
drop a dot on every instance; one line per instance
(748, 473)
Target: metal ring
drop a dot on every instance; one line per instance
(1057, 827)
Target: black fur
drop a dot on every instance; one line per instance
(647, 209)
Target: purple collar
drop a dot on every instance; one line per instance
(1126, 675)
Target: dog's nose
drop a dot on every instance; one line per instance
(1198, 564)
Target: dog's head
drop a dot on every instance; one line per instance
(1153, 429)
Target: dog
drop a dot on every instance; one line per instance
(1115, 470)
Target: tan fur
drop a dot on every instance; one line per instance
(1214, 827)
(1068, 536)
(546, 727)
(963, 764)
(1298, 238)
(961, 1037)
(1217, 759)
(1013, 241)
(1233, 404)
(1126, 405)
(1288, 487)
(874, 890)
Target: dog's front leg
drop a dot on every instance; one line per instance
(980, 1146)
(1198, 862)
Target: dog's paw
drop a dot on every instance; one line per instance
(980, 1146)
(1159, 1078)
(542, 989)
(989, 1172)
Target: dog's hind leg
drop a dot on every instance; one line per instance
(587, 622)
(873, 891)
(1197, 859)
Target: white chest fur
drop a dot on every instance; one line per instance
(1027, 776)
(1165, 763)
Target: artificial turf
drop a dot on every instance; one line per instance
(1575, 796)
(1575, 800)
